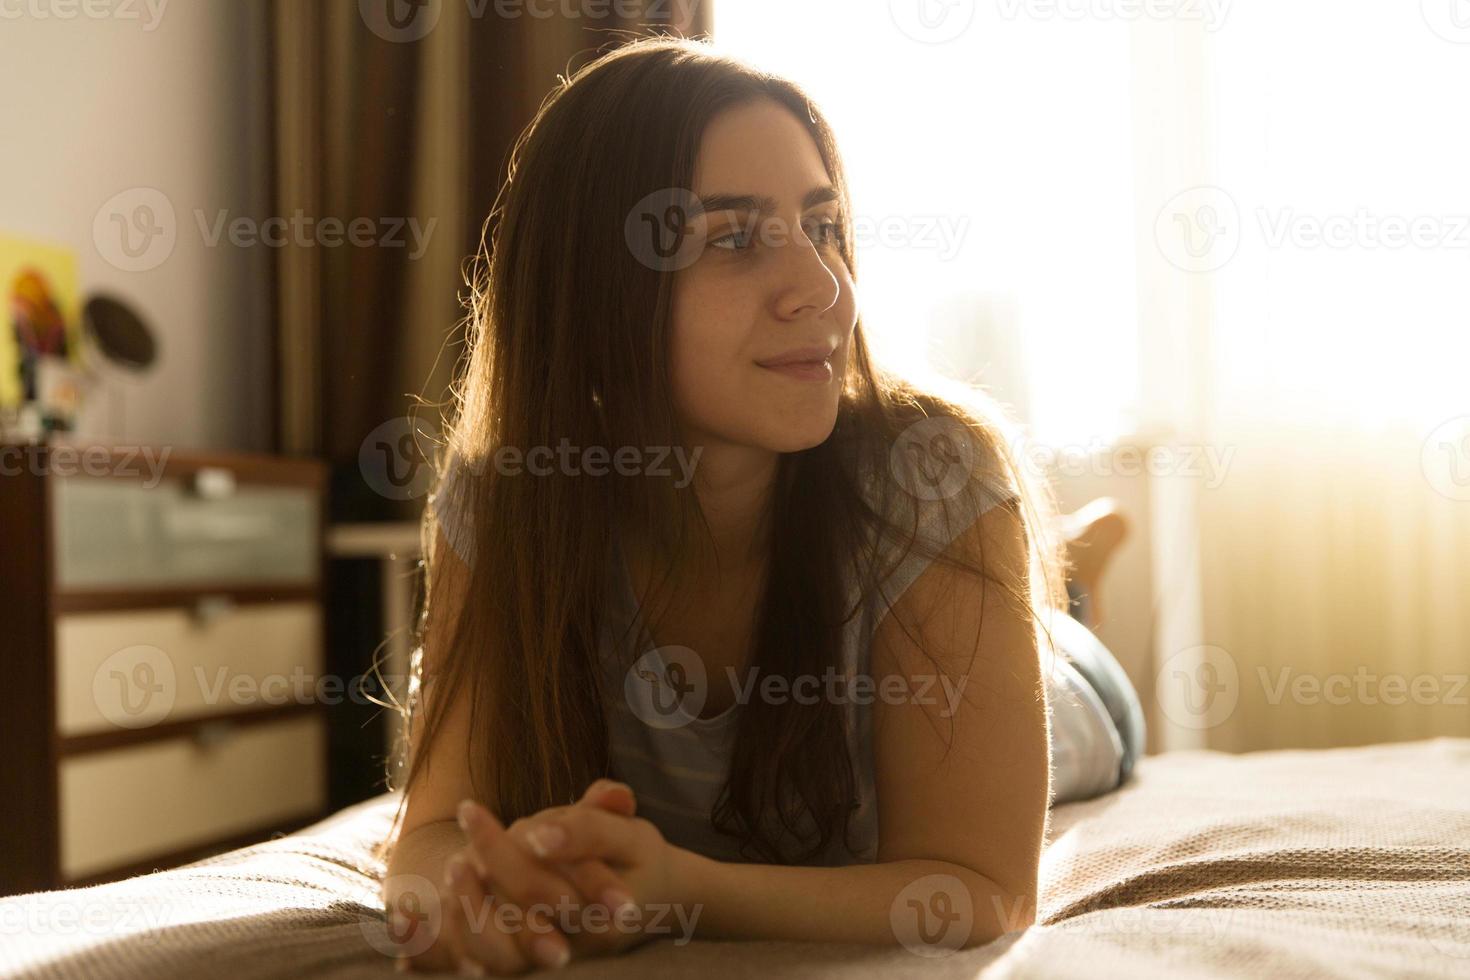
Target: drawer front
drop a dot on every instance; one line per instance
(127, 805)
(139, 668)
(124, 534)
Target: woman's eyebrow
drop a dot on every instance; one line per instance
(761, 204)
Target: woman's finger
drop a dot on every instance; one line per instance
(610, 902)
(583, 832)
(450, 943)
(517, 879)
(591, 879)
(478, 943)
(612, 796)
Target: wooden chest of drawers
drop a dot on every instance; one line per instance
(161, 628)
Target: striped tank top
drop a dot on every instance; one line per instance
(676, 762)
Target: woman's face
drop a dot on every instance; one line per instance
(769, 299)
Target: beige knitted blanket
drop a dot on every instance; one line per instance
(1348, 862)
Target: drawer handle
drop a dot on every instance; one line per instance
(213, 734)
(213, 483)
(209, 609)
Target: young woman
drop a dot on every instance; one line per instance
(729, 633)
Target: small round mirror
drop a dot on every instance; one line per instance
(119, 333)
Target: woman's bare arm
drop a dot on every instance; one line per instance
(431, 839)
(430, 834)
(962, 812)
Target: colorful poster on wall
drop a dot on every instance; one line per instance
(40, 326)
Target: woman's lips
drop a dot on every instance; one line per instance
(809, 363)
(819, 370)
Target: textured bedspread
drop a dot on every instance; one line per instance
(1349, 862)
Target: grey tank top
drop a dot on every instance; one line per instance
(676, 762)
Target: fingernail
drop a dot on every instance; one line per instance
(466, 814)
(551, 952)
(469, 968)
(544, 840)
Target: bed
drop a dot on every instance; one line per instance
(1343, 862)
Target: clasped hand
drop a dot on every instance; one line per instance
(568, 881)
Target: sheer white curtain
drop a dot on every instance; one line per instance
(1237, 234)
(1338, 549)
(992, 181)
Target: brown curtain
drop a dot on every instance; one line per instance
(396, 118)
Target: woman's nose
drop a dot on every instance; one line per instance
(808, 283)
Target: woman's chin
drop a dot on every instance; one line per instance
(795, 439)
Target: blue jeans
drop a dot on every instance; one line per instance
(1098, 729)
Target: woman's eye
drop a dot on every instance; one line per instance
(734, 241)
(827, 232)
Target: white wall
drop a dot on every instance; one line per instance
(174, 99)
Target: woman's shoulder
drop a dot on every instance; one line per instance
(940, 473)
(939, 469)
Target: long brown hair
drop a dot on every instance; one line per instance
(568, 338)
